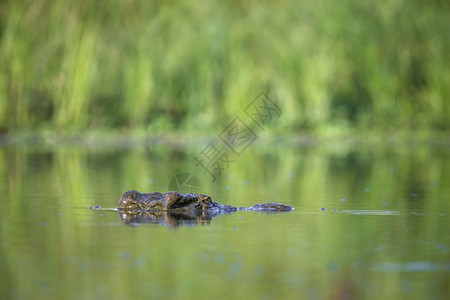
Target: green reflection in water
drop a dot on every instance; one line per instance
(383, 233)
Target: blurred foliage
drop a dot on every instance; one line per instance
(190, 65)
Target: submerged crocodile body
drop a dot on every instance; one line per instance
(174, 201)
(175, 208)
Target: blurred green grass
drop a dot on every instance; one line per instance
(193, 65)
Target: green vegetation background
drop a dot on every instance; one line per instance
(159, 66)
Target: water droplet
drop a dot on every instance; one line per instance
(367, 190)
(334, 209)
(323, 208)
(97, 206)
(343, 199)
(383, 203)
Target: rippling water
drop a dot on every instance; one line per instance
(368, 223)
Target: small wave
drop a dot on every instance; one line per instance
(370, 212)
(415, 266)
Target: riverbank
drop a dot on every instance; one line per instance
(136, 139)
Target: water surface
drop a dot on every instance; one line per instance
(368, 223)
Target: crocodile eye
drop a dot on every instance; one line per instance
(204, 198)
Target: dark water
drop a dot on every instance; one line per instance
(368, 223)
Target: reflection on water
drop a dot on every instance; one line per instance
(368, 223)
(169, 218)
(174, 218)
